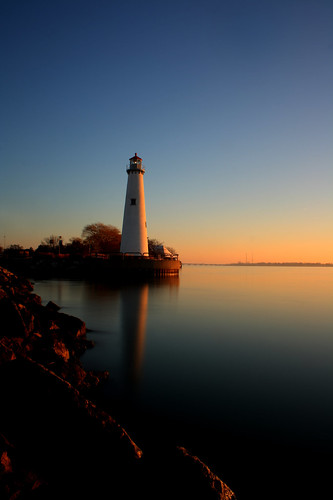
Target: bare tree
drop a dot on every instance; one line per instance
(153, 243)
(51, 241)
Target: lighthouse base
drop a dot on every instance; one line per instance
(145, 266)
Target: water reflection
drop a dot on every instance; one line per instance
(245, 353)
(133, 324)
(134, 301)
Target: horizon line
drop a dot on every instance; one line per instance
(312, 264)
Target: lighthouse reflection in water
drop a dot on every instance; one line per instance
(134, 302)
(120, 320)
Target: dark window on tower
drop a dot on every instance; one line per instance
(133, 201)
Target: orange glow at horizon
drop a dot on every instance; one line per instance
(313, 252)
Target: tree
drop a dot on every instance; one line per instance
(152, 244)
(14, 250)
(51, 241)
(101, 237)
(15, 247)
(76, 246)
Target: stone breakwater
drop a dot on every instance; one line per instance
(55, 441)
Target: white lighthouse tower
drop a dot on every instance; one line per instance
(134, 239)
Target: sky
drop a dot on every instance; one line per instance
(228, 102)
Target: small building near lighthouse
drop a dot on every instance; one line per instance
(134, 240)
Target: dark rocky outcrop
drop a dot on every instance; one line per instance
(55, 442)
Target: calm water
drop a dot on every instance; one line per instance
(236, 363)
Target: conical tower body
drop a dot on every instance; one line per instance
(134, 239)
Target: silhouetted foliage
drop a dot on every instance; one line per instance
(101, 237)
(76, 246)
(51, 241)
(15, 247)
(15, 250)
(51, 244)
(152, 244)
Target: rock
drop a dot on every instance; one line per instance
(177, 474)
(51, 306)
(201, 480)
(13, 283)
(60, 349)
(54, 441)
(17, 480)
(55, 430)
(35, 299)
(8, 347)
(75, 446)
(71, 325)
(6, 464)
(13, 318)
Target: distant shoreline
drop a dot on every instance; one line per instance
(263, 264)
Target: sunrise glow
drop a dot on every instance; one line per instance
(229, 106)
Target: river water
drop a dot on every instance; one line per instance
(235, 363)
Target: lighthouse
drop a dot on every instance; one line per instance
(134, 239)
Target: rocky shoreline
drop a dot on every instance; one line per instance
(55, 440)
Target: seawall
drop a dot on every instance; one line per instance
(95, 267)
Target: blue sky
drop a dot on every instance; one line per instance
(229, 103)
